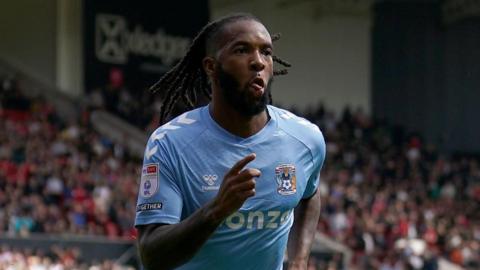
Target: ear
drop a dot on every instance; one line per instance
(209, 66)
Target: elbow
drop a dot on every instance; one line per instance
(155, 249)
(150, 256)
(145, 251)
(151, 259)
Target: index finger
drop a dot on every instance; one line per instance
(241, 163)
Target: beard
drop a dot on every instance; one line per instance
(239, 98)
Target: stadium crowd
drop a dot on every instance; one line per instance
(394, 199)
(141, 109)
(56, 258)
(389, 196)
(58, 177)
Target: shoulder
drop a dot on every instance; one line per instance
(178, 132)
(301, 129)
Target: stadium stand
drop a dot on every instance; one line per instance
(141, 110)
(61, 177)
(393, 199)
(387, 195)
(55, 259)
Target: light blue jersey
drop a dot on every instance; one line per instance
(185, 161)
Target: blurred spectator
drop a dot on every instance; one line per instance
(57, 259)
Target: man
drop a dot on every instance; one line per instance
(199, 205)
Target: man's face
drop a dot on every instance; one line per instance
(244, 68)
(241, 99)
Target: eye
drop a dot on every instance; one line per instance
(267, 52)
(240, 50)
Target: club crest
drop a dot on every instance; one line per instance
(286, 179)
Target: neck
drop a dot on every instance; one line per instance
(236, 123)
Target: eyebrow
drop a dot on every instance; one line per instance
(245, 43)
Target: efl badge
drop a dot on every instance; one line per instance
(286, 179)
(149, 182)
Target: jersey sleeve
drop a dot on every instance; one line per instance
(318, 157)
(159, 196)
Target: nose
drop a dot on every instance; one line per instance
(257, 63)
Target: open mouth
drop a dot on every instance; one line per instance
(257, 84)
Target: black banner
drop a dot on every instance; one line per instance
(132, 44)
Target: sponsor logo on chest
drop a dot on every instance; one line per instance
(211, 182)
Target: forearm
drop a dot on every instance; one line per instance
(303, 231)
(169, 246)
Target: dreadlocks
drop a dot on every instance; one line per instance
(187, 79)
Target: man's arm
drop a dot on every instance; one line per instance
(303, 231)
(167, 246)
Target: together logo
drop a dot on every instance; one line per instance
(114, 41)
